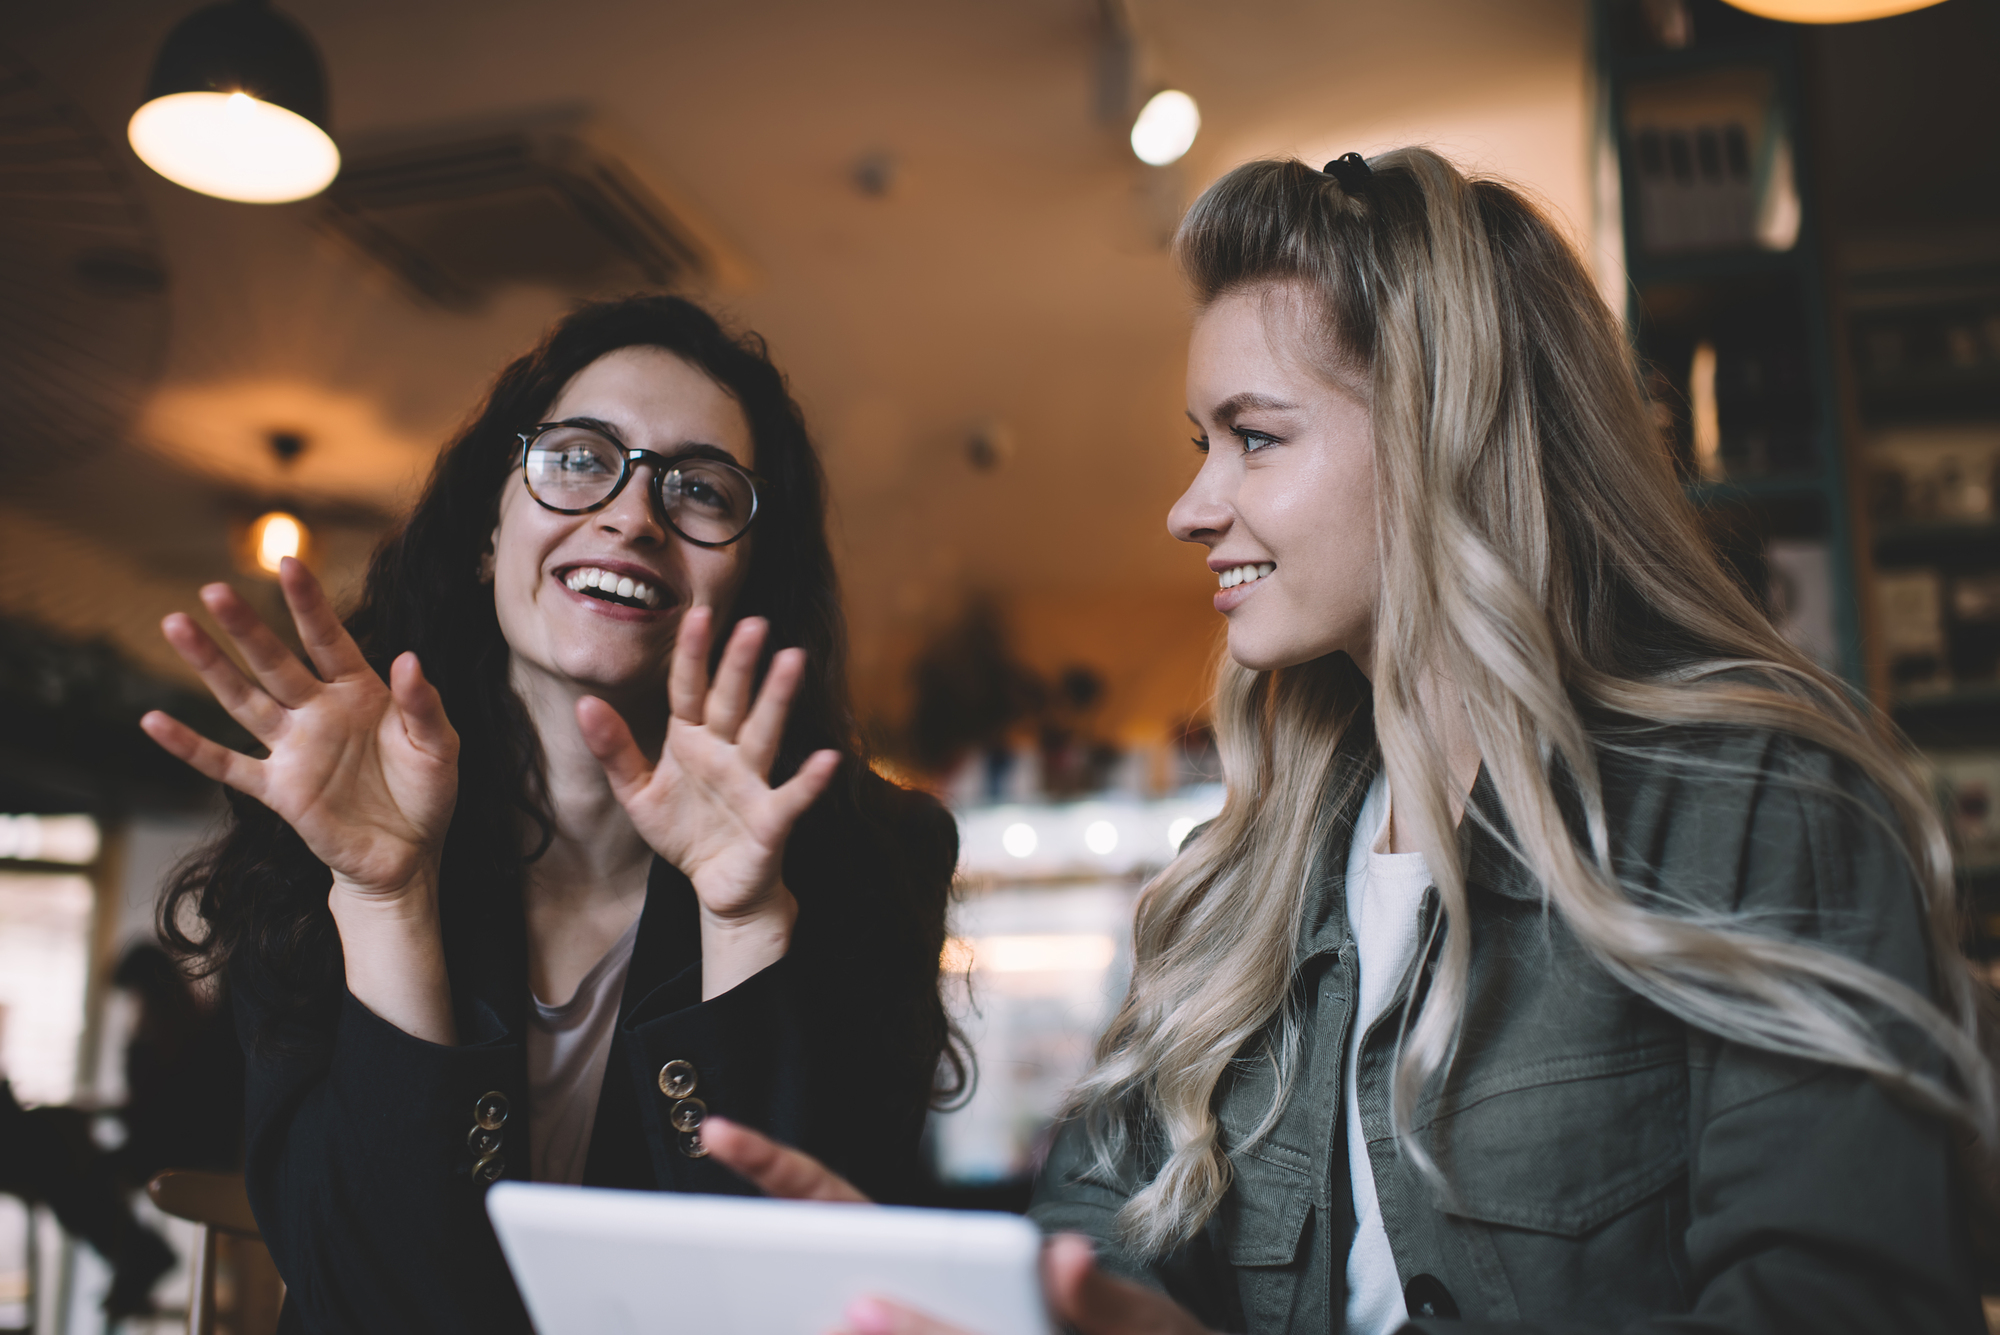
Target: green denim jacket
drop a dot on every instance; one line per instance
(1610, 1167)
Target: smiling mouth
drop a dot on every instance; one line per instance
(611, 587)
(1244, 574)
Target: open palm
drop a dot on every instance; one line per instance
(708, 806)
(365, 771)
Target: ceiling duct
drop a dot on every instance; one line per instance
(558, 200)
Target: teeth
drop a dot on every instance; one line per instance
(1244, 574)
(590, 577)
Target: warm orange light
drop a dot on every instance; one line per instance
(1829, 11)
(274, 537)
(233, 146)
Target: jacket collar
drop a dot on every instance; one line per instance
(1483, 839)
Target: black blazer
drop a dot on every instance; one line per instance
(365, 1154)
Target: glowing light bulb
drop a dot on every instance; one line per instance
(233, 146)
(1019, 840)
(1181, 828)
(1828, 11)
(274, 537)
(1100, 837)
(1166, 128)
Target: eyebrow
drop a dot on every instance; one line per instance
(1248, 401)
(688, 449)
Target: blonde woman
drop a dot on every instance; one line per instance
(1571, 953)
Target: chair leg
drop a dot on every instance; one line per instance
(32, 1263)
(201, 1286)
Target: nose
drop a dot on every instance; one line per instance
(1203, 513)
(633, 513)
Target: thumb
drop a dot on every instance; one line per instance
(610, 740)
(422, 708)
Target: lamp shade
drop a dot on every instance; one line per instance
(1829, 11)
(236, 107)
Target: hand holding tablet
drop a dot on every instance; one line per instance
(616, 1262)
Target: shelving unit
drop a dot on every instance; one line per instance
(1871, 376)
(1728, 301)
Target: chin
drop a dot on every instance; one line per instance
(612, 676)
(1268, 653)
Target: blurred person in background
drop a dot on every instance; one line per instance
(183, 1073)
(183, 1109)
(563, 838)
(1571, 952)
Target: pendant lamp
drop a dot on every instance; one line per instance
(236, 107)
(1829, 11)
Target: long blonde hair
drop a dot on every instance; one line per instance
(1538, 550)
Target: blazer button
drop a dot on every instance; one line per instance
(491, 1111)
(1427, 1296)
(688, 1114)
(692, 1146)
(678, 1079)
(482, 1142)
(489, 1169)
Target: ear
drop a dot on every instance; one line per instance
(486, 558)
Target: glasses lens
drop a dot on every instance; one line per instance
(572, 468)
(709, 502)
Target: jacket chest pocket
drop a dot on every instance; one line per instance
(1265, 1239)
(1567, 1145)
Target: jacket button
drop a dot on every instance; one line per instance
(491, 1111)
(1427, 1296)
(678, 1079)
(691, 1145)
(482, 1142)
(688, 1114)
(489, 1169)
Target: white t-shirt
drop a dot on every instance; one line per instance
(567, 1048)
(1385, 895)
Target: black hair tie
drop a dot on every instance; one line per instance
(1351, 170)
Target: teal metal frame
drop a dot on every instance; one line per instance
(1805, 262)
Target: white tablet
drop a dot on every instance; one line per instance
(596, 1262)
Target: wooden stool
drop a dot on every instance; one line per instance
(218, 1203)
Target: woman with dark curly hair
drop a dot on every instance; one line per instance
(518, 891)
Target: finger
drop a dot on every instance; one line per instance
(278, 669)
(775, 1169)
(791, 800)
(1100, 1304)
(687, 678)
(212, 759)
(332, 650)
(729, 698)
(422, 708)
(878, 1316)
(245, 703)
(765, 728)
(609, 738)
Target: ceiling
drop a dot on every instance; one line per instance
(1011, 274)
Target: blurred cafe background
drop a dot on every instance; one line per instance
(949, 219)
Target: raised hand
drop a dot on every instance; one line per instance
(365, 771)
(708, 806)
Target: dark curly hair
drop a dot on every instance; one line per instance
(254, 902)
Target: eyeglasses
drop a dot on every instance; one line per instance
(574, 469)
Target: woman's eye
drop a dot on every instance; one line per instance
(1254, 440)
(579, 461)
(1201, 443)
